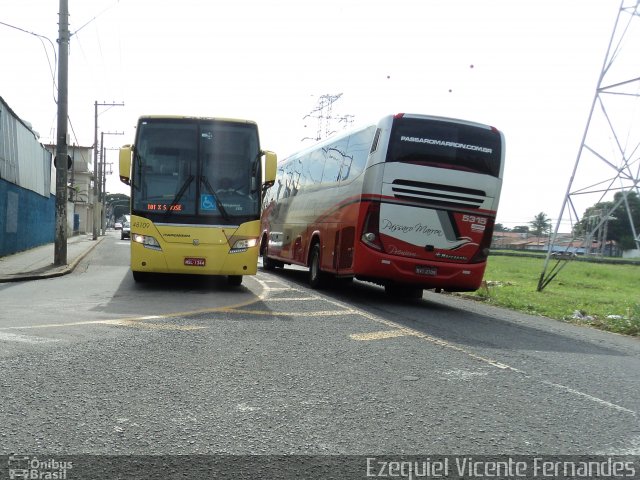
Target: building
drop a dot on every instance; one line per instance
(80, 178)
(27, 187)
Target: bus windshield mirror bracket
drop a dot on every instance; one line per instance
(254, 172)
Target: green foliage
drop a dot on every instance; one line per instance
(541, 224)
(599, 295)
(618, 226)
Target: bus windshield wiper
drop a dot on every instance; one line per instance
(179, 195)
(224, 213)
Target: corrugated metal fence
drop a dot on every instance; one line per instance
(27, 197)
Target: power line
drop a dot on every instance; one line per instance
(323, 113)
(52, 70)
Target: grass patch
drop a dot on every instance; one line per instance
(605, 296)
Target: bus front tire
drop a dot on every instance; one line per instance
(268, 264)
(234, 280)
(140, 276)
(316, 276)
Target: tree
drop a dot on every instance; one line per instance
(117, 205)
(498, 227)
(541, 224)
(520, 229)
(618, 227)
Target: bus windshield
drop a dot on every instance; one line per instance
(197, 171)
(449, 145)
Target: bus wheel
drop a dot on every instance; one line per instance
(140, 276)
(267, 263)
(234, 280)
(316, 277)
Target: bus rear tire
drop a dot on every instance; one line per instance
(316, 276)
(234, 280)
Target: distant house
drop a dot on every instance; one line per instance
(564, 242)
(80, 186)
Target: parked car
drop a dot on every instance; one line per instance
(118, 226)
(125, 231)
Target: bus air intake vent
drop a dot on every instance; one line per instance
(438, 194)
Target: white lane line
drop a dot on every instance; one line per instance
(588, 397)
(378, 335)
(494, 363)
(16, 337)
(289, 299)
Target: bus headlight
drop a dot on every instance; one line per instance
(147, 241)
(243, 245)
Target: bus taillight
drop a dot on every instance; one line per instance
(371, 227)
(483, 249)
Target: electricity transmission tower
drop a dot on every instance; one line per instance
(323, 113)
(608, 160)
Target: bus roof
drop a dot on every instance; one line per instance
(387, 119)
(196, 118)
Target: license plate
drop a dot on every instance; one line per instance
(194, 262)
(431, 271)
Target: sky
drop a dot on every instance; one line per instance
(528, 68)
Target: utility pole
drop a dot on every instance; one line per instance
(61, 160)
(96, 177)
(103, 169)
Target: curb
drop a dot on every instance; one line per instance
(51, 272)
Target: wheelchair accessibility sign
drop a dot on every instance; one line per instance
(208, 203)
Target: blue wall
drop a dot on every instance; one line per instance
(27, 219)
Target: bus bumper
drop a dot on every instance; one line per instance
(384, 269)
(177, 258)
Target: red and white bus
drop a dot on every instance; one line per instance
(408, 203)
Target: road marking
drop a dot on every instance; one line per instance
(589, 397)
(397, 330)
(16, 337)
(378, 335)
(321, 313)
(494, 363)
(154, 326)
(289, 299)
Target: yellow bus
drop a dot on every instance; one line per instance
(196, 190)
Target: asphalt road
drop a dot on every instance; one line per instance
(94, 363)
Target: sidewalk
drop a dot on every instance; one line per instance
(37, 262)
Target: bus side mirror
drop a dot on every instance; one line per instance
(270, 168)
(125, 164)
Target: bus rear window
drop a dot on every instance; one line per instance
(447, 145)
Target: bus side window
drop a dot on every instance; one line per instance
(334, 155)
(357, 154)
(315, 164)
